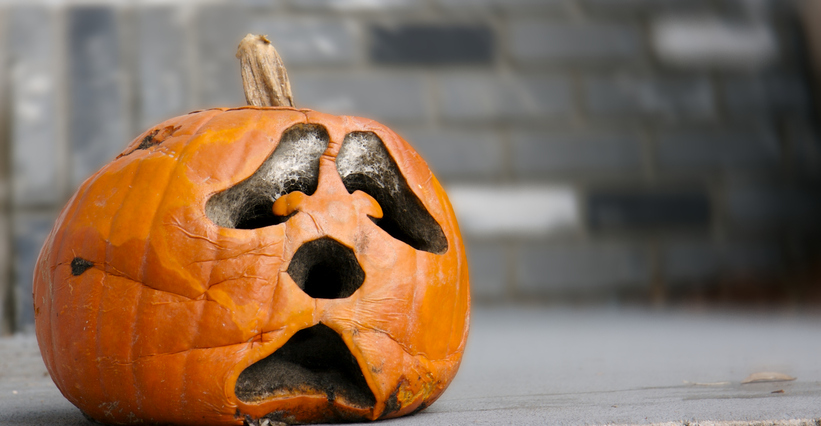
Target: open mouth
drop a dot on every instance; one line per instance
(315, 361)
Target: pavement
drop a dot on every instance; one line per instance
(564, 366)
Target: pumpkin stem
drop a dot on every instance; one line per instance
(264, 78)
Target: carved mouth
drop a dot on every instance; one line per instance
(315, 361)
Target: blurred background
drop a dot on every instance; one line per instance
(618, 152)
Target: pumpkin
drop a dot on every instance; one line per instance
(236, 265)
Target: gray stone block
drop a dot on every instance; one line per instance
(639, 210)
(30, 231)
(689, 261)
(505, 5)
(578, 268)
(702, 261)
(8, 304)
(164, 76)
(5, 107)
(766, 95)
(698, 41)
(759, 8)
(6, 301)
(542, 41)
(459, 153)
(527, 210)
(393, 97)
(622, 7)
(578, 151)
(754, 257)
(805, 145)
(320, 41)
(432, 44)
(98, 117)
(356, 5)
(267, 5)
(488, 270)
(36, 134)
(219, 30)
(484, 96)
(672, 99)
(697, 150)
(774, 207)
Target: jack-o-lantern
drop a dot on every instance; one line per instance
(255, 263)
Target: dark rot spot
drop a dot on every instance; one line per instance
(392, 404)
(149, 140)
(155, 137)
(79, 265)
(421, 407)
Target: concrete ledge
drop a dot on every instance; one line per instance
(803, 422)
(561, 366)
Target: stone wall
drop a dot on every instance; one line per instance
(595, 150)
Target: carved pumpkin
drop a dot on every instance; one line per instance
(255, 263)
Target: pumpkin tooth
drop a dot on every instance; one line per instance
(288, 203)
(367, 205)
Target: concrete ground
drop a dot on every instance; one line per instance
(561, 366)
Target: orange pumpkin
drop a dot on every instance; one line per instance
(255, 263)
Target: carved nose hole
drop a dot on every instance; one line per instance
(326, 269)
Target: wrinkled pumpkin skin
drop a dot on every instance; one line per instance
(173, 307)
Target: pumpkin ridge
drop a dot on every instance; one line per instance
(62, 246)
(191, 349)
(120, 211)
(204, 126)
(119, 274)
(153, 225)
(162, 201)
(452, 318)
(133, 366)
(184, 382)
(404, 348)
(99, 342)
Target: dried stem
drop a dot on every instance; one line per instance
(264, 78)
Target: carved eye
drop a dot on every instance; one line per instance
(365, 165)
(293, 166)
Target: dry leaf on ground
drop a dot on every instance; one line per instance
(767, 376)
